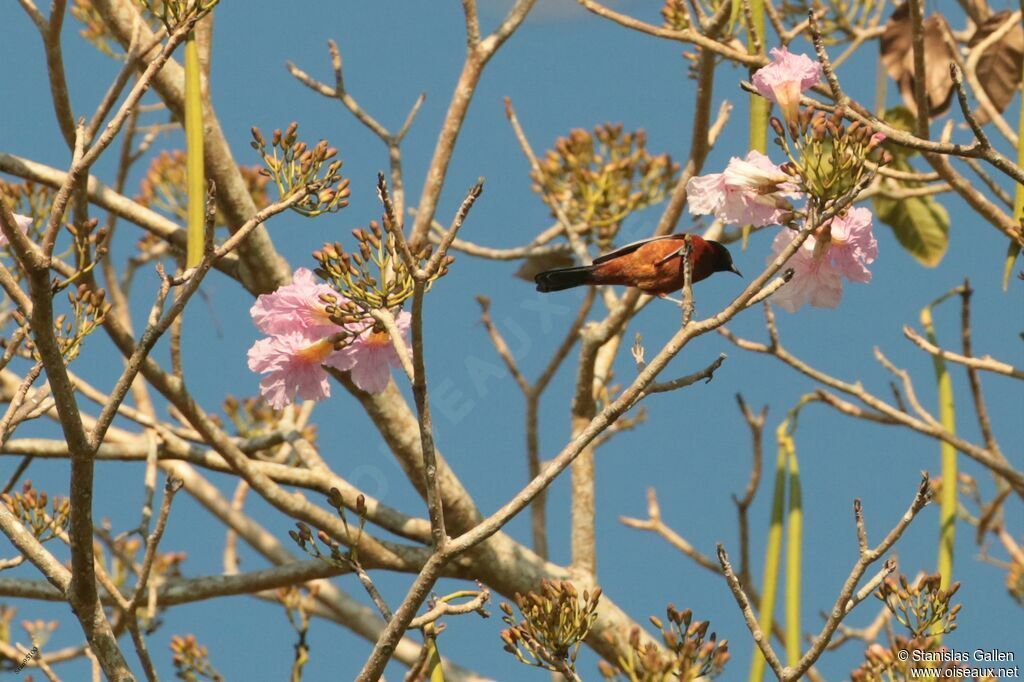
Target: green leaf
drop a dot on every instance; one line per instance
(901, 118)
(920, 223)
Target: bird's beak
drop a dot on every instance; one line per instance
(733, 268)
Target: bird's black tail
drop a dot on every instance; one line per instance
(563, 278)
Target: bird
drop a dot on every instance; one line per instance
(654, 266)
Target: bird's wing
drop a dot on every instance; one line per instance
(630, 248)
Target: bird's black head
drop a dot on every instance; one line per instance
(722, 259)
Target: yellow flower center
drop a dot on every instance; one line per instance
(320, 315)
(316, 352)
(377, 339)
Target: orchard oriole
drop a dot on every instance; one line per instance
(654, 266)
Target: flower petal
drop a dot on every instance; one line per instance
(372, 377)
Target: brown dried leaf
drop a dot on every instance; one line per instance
(896, 44)
(999, 67)
(898, 57)
(937, 56)
(537, 264)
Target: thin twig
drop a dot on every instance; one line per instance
(476, 59)
(393, 141)
(566, 225)
(984, 423)
(848, 598)
(755, 422)
(986, 363)
(886, 412)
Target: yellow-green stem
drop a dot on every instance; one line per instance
(194, 152)
(947, 415)
(434, 662)
(1018, 199)
(794, 546)
(759, 106)
(772, 556)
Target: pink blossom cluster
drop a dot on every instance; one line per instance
(755, 191)
(785, 78)
(300, 344)
(751, 191)
(818, 265)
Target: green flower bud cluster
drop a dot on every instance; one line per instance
(192, 660)
(827, 156)
(554, 623)
(28, 199)
(689, 652)
(295, 167)
(598, 179)
(30, 507)
(336, 555)
(31, 199)
(675, 15)
(923, 607)
(254, 418)
(374, 276)
(88, 307)
(164, 187)
(39, 631)
(906, 659)
(89, 245)
(174, 13)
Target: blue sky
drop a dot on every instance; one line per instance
(564, 69)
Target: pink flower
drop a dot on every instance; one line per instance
(23, 221)
(293, 365)
(299, 345)
(371, 356)
(785, 78)
(750, 191)
(296, 307)
(814, 281)
(819, 265)
(853, 246)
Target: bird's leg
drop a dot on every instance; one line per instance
(677, 301)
